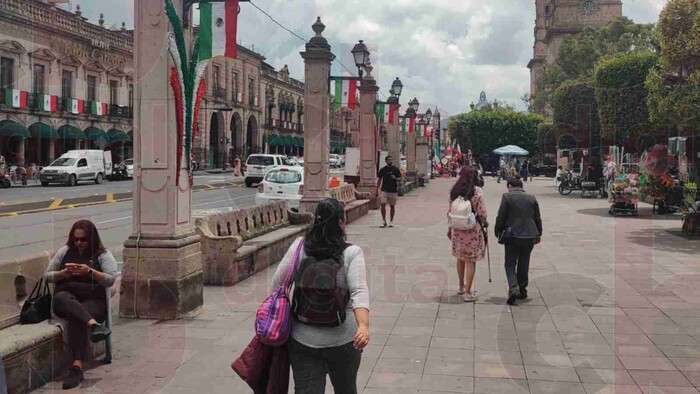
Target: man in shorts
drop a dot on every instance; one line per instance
(388, 189)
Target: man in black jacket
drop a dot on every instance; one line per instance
(519, 218)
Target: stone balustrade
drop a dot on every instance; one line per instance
(67, 22)
(356, 203)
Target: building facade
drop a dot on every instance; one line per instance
(284, 112)
(555, 20)
(231, 116)
(65, 84)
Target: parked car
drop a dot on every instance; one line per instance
(334, 161)
(259, 164)
(282, 183)
(76, 166)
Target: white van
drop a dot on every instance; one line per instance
(75, 166)
(257, 166)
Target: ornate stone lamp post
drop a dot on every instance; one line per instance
(411, 113)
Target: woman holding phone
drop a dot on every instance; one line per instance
(82, 269)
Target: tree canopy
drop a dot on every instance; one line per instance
(576, 113)
(484, 131)
(579, 53)
(621, 94)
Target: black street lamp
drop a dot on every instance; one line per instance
(397, 87)
(360, 54)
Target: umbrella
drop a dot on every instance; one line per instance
(511, 150)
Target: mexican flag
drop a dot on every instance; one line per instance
(17, 98)
(218, 23)
(49, 103)
(76, 106)
(99, 108)
(383, 112)
(345, 94)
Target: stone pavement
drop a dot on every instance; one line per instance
(615, 307)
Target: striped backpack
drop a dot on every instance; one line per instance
(273, 320)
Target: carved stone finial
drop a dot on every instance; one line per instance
(123, 26)
(369, 68)
(102, 19)
(77, 10)
(318, 27)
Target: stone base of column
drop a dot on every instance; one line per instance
(162, 277)
(309, 204)
(371, 188)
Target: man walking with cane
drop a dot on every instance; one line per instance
(519, 228)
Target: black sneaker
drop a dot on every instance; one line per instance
(73, 377)
(511, 299)
(99, 333)
(522, 295)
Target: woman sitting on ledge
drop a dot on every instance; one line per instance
(82, 269)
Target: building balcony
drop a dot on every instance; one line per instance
(219, 93)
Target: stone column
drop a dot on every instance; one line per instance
(393, 139)
(162, 274)
(317, 132)
(411, 151)
(422, 159)
(368, 138)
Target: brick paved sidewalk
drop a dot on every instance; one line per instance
(615, 307)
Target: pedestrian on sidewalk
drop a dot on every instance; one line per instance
(468, 246)
(388, 189)
(317, 350)
(82, 269)
(519, 227)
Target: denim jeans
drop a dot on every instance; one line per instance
(310, 367)
(518, 252)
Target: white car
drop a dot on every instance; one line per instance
(334, 160)
(259, 164)
(282, 183)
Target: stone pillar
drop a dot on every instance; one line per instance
(162, 274)
(393, 139)
(411, 152)
(52, 150)
(21, 160)
(368, 135)
(317, 132)
(422, 159)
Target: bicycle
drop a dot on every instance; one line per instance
(570, 183)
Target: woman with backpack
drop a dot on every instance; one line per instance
(468, 242)
(330, 304)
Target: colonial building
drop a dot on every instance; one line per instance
(555, 20)
(284, 111)
(232, 110)
(65, 84)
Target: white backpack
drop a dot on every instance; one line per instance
(461, 215)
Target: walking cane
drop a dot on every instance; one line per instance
(488, 249)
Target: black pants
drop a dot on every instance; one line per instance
(310, 367)
(518, 252)
(78, 308)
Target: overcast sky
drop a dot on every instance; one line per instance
(444, 51)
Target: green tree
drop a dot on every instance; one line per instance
(674, 89)
(579, 53)
(576, 114)
(621, 94)
(484, 131)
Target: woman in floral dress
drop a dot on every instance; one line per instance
(468, 246)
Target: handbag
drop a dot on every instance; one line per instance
(505, 235)
(37, 308)
(273, 320)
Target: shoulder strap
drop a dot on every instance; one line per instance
(294, 263)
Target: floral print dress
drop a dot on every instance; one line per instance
(470, 245)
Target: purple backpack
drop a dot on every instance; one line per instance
(273, 320)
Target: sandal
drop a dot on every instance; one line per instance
(461, 290)
(469, 297)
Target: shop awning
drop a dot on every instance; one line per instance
(299, 141)
(115, 135)
(272, 139)
(94, 134)
(9, 128)
(287, 141)
(68, 132)
(42, 130)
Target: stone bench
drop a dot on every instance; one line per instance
(239, 243)
(356, 204)
(34, 353)
(406, 184)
